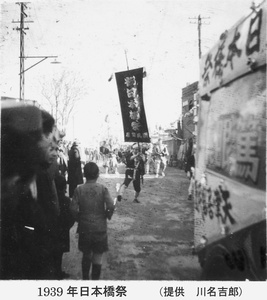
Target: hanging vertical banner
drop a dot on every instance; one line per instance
(130, 89)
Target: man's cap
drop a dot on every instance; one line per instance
(75, 143)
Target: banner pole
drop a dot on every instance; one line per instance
(141, 176)
(126, 59)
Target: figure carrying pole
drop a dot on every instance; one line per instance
(134, 172)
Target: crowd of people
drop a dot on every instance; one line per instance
(155, 157)
(37, 209)
(36, 213)
(30, 209)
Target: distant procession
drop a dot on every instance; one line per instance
(150, 170)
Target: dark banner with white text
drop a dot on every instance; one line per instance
(130, 89)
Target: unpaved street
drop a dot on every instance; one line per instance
(148, 241)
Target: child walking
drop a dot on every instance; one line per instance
(92, 205)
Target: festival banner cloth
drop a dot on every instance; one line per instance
(130, 89)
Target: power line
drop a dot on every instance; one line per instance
(199, 22)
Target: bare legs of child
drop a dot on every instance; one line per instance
(94, 259)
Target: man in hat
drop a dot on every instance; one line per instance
(75, 175)
(134, 171)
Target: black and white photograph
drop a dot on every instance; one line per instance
(133, 146)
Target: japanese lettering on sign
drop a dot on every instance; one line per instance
(132, 107)
(229, 58)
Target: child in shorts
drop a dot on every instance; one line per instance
(92, 205)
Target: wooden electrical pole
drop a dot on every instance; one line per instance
(199, 24)
(22, 29)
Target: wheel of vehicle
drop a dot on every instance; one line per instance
(223, 264)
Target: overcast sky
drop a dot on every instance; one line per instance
(90, 39)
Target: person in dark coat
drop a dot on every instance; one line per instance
(75, 175)
(21, 131)
(43, 217)
(25, 224)
(66, 221)
(47, 199)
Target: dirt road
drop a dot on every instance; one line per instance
(147, 241)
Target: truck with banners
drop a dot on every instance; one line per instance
(230, 169)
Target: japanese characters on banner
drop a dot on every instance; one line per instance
(238, 52)
(130, 89)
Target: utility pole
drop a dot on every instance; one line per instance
(22, 29)
(199, 23)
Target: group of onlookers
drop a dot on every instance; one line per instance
(92, 154)
(156, 158)
(36, 213)
(31, 218)
(35, 210)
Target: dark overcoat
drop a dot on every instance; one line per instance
(75, 175)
